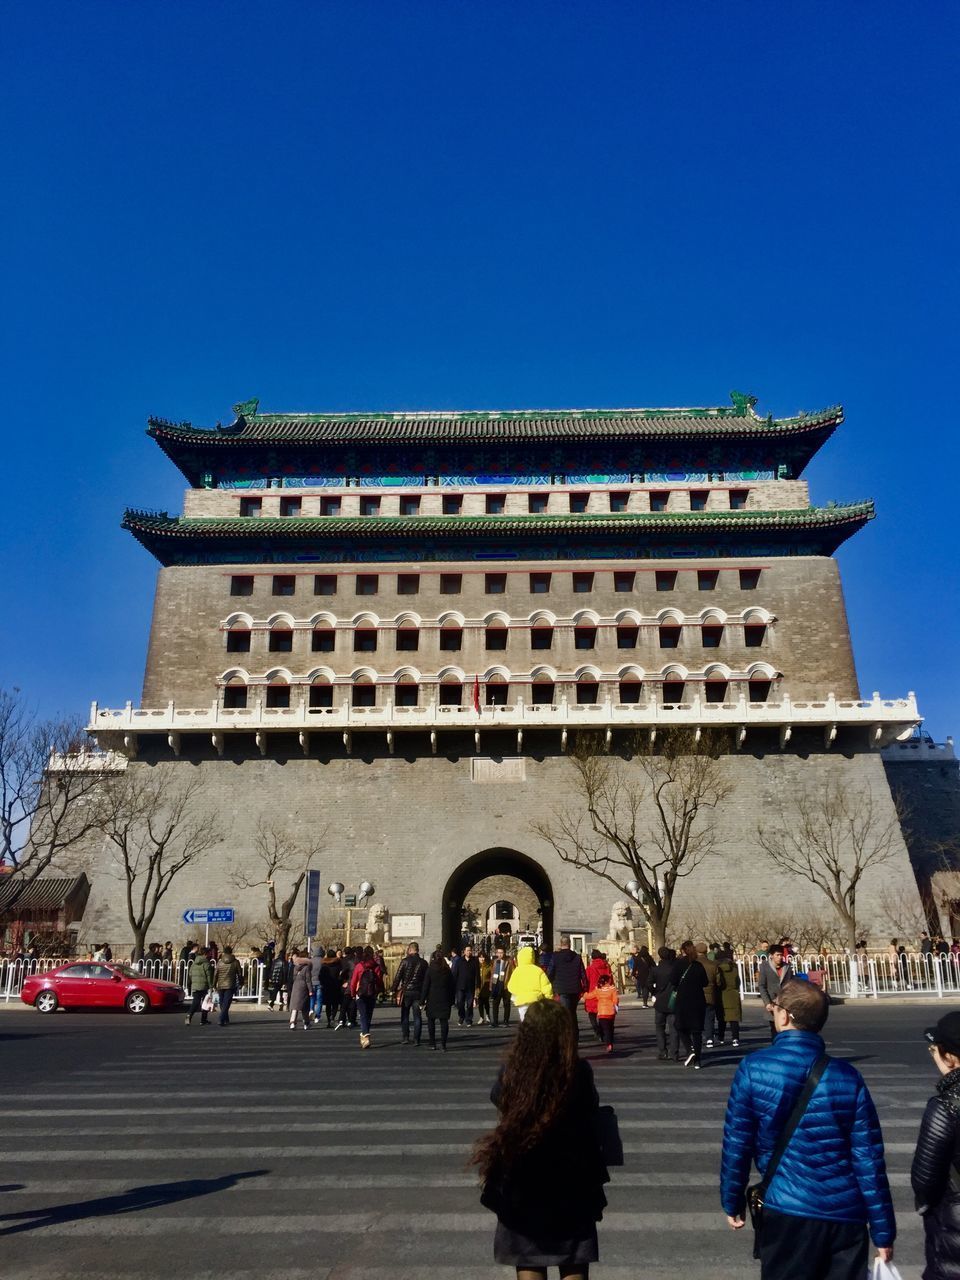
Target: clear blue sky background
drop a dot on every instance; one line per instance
(346, 206)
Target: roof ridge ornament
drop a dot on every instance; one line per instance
(742, 403)
(246, 408)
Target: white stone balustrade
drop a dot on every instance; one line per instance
(888, 719)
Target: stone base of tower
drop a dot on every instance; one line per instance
(427, 830)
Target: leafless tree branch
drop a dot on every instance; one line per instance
(280, 858)
(649, 816)
(833, 834)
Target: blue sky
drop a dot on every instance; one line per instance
(395, 205)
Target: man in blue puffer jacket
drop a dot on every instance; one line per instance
(831, 1183)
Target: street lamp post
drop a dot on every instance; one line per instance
(337, 891)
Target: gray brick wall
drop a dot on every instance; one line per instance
(407, 824)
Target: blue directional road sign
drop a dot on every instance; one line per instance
(312, 904)
(208, 915)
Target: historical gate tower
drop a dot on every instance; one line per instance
(391, 625)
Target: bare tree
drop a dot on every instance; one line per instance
(158, 828)
(48, 782)
(905, 914)
(649, 818)
(280, 856)
(833, 835)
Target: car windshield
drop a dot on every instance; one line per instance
(126, 971)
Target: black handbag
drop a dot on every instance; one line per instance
(757, 1193)
(608, 1135)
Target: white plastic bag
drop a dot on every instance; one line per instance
(885, 1270)
(206, 1004)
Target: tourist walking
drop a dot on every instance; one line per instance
(300, 990)
(366, 983)
(790, 1100)
(542, 1168)
(466, 983)
(729, 1003)
(689, 981)
(277, 981)
(500, 970)
(568, 979)
(709, 965)
(316, 983)
(643, 974)
(774, 972)
(408, 991)
(596, 969)
(665, 1023)
(528, 983)
(934, 1175)
(607, 1003)
(483, 991)
(330, 980)
(437, 996)
(200, 978)
(229, 979)
(348, 1006)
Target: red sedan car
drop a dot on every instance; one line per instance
(86, 985)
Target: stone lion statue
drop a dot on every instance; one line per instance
(621, 922)
(378, 925)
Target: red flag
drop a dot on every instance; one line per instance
(476, 694)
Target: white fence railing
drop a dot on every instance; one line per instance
(14, 972)
(874, 975)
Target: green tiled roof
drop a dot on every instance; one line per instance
(253, 428)
(302, 528)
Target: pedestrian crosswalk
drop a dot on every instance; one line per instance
(254, 1153)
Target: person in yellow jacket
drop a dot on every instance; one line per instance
(528, 982)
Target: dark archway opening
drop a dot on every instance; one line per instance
(494, 862)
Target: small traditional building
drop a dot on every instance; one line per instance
(391, 624)
(47, 912)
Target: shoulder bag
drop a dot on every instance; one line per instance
(757, 1193)
(672, 1000)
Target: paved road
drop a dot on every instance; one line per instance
(144, 1148)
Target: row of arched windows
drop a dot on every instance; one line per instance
(498, 687)
(406, 636)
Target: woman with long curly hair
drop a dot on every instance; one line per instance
(542, 1169)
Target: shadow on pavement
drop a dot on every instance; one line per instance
(154, 1196)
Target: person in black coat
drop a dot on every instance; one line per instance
(542, 1167)
(668, 1045)
(466, 984)
(436, 998)
(331, 980)
(689, 981)
(934, 1175)
(568, 979)
(408, 991)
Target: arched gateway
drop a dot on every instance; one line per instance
(494, 862)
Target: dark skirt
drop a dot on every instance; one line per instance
(517, 1249)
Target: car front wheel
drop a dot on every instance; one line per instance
(136, 1002)
(46, 1002)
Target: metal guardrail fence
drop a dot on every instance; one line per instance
(871, 976)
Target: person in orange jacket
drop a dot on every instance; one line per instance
(607, 1002)
(595, 970)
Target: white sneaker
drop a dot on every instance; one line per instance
(691, 1058)
(709, 1044)
(736, 1044)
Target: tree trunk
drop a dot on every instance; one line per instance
(658, 929)
(139, 942)
(283, 934)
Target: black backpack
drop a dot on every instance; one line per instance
(367, 986)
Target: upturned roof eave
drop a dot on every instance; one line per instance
(162, 534)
